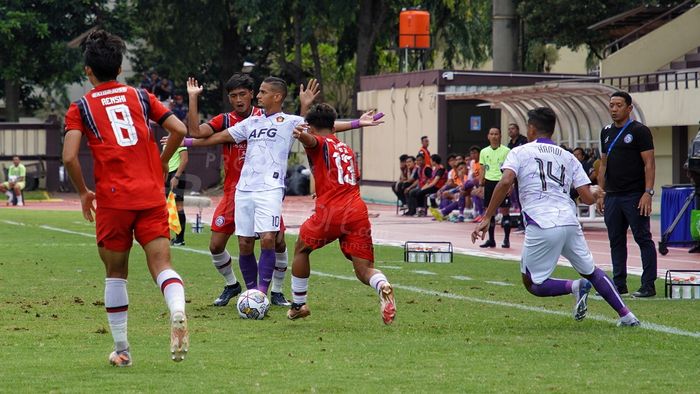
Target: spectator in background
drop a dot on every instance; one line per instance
(582, 157)
(404, 174)
(516, 139)
(16, 175)
(163, 90)
(421, 176)
(179, 107)
(146, 82)
(425, 142)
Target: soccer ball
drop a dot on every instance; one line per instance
(252, 304)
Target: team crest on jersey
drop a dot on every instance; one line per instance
(279, 119)
(628, 138)
(219, 221)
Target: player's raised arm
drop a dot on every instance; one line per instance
(71, 147)
(194, 128)
(301, 133)
(308, 94)
(368, 119)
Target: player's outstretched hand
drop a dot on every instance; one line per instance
(308, 94)
(193, 87)
(301, 128)
(371, 118)
(87, 203)
(164, 141)
(480, 230)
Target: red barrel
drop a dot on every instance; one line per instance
(414, 29)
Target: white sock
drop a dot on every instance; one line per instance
(8, 194)
(117, 306)
(222, 263)
(299, 289)
(173, 290)
(377, 280)
(19, 199)
(281, 262)
(575, 286)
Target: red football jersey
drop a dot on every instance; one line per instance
(127, 167)
(234, 154)
(335, 171)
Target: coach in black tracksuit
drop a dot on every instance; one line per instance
(627, 176)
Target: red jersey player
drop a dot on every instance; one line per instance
(340, 213)
(129, 175)
(239, 89)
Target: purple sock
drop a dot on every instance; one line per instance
(478, 205)
(552, 288)
(460, 204)
(607, 290)
(448, 208)
(249, 270)
(265, 269)
(444, 202)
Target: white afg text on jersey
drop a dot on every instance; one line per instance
(546, 174)
(269, 142)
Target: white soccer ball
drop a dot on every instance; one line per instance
(252, 304)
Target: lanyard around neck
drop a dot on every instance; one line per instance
(618, 136)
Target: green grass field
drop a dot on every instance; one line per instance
(451, 335)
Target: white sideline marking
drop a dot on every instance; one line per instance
(645, 325)
(390, 267)
(498, 283)
(13, 223)
(60, 230)
(419, 272)
(460, 277)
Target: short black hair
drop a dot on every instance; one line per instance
(624, 95)
(423, 137)
(435, 158)
(542, 119)
(321, 116)
(278, 84)
(411, 158)
(403, 157)
(474, 148)
(451, 156)
(103, 53)
(514, 125)
(239, 80)
(497, 128)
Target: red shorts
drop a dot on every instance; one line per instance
(224, 220)
(350, 226)
(117, 228)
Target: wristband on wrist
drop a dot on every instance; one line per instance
(188, 142)
(355, 124)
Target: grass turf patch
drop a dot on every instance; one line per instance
(450, 335)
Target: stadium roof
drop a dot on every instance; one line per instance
(581, 107)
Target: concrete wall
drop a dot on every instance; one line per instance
(410, 113)
(656, 49)
(670, 107)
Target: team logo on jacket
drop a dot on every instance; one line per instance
(219, 221)
(279, 119)
(628, 138)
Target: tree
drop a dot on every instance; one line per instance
(34, 44)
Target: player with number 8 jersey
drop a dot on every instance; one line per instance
(127, 164)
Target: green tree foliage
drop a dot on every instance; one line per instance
(564, 23)
(34, 49)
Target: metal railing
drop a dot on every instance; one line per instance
(657, 81)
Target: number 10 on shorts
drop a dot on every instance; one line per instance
(275, 221)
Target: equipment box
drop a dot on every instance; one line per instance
(682, 284)
(427, 252)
